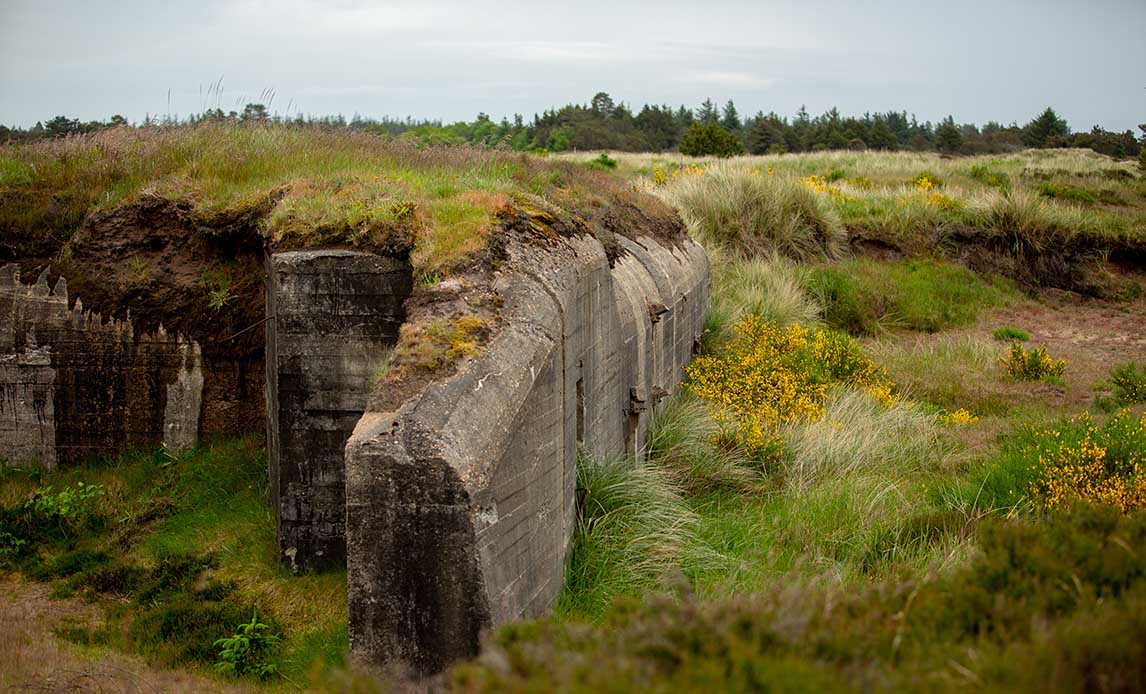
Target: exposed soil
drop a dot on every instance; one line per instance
(34, 659)
(1093, 336)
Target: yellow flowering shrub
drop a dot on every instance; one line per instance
(769, 375)
(926, 192)
(959, 417)
(1081, 461)
(820, 184)
(1023, 365)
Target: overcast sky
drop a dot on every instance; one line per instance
(981, 60)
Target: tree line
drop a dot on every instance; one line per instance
(708, 129)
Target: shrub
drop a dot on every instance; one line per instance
(1054, 606)
(1069, 461)
(709, 139)
(833, 175)
(69, 509)
(249, 650)
(927, 180)
(995, 179)
(770, 375)
(1008, 332)
(1033, 365)
(603, 162)
(756, 215)
(1128, 383)
(1055, 191)
(1104, 465)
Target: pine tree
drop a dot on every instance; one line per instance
(731, 119)
(947, 136)
(1047, 125)
(707, 114)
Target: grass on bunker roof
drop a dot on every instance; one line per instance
(320, 186)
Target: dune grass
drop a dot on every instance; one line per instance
(753, 214)
(878, 195)
(299, 186)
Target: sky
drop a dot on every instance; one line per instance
(1002, 60)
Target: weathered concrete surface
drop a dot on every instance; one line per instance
(335, 313)
(74, 386)
(461, 504)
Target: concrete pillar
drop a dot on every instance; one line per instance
(332, 315)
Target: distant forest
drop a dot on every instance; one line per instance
(709, 129)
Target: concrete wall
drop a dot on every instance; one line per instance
(461, 504)
(333, 315)
(74, 386)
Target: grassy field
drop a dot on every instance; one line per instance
(296, 186)
(889, 497)
(857, 536)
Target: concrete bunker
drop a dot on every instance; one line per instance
(450, 499)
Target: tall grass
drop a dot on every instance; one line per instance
(950, 371)
(632, 527)
(731, 208)
(859, 436)
(682, 443)
(769, 286)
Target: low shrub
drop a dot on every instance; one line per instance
(770, 375)
(1033, 365)
(1008, 332)
(1104, 465)
(1053, 606)
(995, 179)
(1054, 466)
(926, 180)
(1127, 385)
(249, 651)
(603, 162)
(1061, 192)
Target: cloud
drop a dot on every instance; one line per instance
(728, 78)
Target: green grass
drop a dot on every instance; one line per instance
(1008, 332)
(297, 186)
(866, 297)
(771, 287)
(180, 548)
(726, 208)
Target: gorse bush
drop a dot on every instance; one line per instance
(755, 215)
(1023, 365)
(1073, 460)
(1082, 461)
(770, 375)
(1128, 387)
